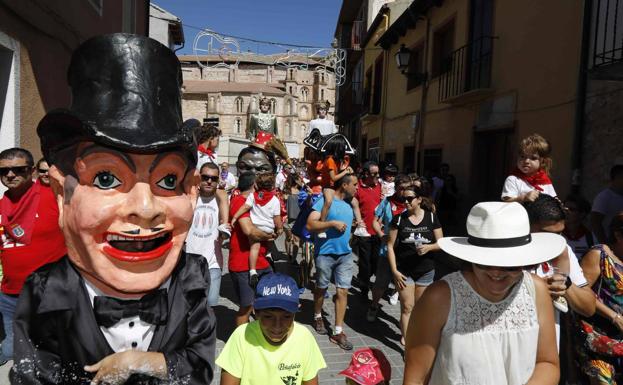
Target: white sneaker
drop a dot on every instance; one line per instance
(361, 231)
(393, 299)
(224, 231)
(322, 235)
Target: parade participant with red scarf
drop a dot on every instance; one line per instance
(30, 236)
(530, 178)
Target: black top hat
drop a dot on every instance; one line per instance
(126, 93)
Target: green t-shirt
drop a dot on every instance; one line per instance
(248, 356)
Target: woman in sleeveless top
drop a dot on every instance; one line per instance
(492, 323)
(601, 336)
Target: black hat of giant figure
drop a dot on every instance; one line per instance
(126, 94)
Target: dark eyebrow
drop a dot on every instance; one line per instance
(159, 158)
(98, 148)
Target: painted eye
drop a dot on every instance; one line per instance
(104, 180)
(169, 182)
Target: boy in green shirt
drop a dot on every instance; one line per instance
(273, 349)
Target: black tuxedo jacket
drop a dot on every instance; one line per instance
(56, 333)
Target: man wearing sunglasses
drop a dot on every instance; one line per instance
(29, 233)
(203, 238)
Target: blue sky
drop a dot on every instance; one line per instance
(301, 22)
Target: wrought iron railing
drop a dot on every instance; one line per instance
(466, 69)
(607, 32)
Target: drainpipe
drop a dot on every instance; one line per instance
(580, 106)
(419, 139)
(384, 92)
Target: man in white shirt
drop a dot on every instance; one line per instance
(203, 237)
(324, 125)
(228, 180)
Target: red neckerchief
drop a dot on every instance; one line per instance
(396, 205)
(208, 151)
(18, 218)
(535, 180)
(262, 197)
(582, 231)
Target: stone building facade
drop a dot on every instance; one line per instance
(232, 93)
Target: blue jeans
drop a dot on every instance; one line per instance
(215, 286)
(7, 308)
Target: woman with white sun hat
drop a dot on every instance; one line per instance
(492, 323)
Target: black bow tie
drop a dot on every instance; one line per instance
(151, 308)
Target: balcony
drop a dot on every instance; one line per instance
(607, 40)
(357, 33)
(466, 72)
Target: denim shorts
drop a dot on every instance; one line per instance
(421, 279)
(338, 266)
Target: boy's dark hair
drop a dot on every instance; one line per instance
(616, 171)
(246, 181)
(206, 132)
(545, 208)
(583, 205)
(17, 152)
(401, 179)
(265, 181)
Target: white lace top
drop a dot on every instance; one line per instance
(487, 343)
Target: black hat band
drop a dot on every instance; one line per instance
(500, 242)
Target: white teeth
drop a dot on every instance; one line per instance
(115, 237)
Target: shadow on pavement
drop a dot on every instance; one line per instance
(356, 319)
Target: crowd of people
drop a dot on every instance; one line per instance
(112, 252)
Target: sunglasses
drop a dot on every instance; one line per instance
(208, 178)
(505, 268)
(18, 170)
(410, 199)
(42, 171)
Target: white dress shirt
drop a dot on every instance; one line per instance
(128, 333)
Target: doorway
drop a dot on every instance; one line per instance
(492, 159)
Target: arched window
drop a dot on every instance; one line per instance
(303, 130)
(290, 90)
(292, 107)
(273, 106)
(321, 94)
(238, 124)
(239, 104)
(304, 93)
(304, 112)
(288, 129)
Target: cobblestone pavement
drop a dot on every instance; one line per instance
(383, 334)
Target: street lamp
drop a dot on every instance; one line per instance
(403, 56)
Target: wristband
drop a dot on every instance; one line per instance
(252, 272)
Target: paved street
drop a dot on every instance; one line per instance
(383, 334)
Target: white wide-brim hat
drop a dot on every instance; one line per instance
(499, 235)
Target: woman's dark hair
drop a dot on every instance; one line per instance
(545, 208)
(427, 203)
(255, 150)
(616, 227)
(336, 147)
